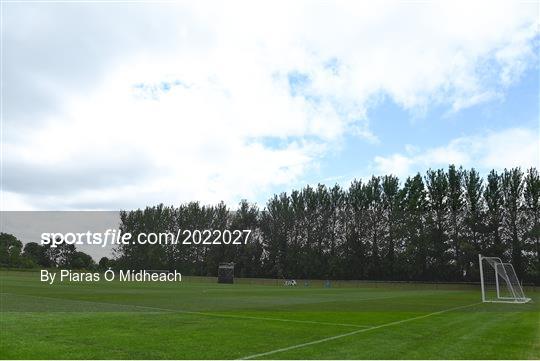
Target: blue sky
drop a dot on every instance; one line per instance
(397, 128)
(113, 109)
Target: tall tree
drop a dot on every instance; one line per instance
(512, 186)
(455, 207)
(275, 225)
(493, 196)
(437, 192)
(248, 256)
(416, 247)
(532, 215)
(375, 214)
(356, 246)
(337, 224)
(473, 223)
(391, 202)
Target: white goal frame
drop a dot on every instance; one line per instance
(499, 281)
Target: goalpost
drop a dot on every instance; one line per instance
(499, 281)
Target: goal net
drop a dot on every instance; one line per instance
(499, 281)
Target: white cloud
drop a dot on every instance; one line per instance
(515, 147)
(121, 105)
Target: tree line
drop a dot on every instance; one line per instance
(430, 227)
(13, 255)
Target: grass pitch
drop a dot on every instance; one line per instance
(112, 320)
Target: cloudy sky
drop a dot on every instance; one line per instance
(122, 105)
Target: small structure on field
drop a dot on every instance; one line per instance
(226, 272)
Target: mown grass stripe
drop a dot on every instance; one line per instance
(208, 314)
(352, 333)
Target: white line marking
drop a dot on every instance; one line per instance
(352, 333)
(209, 314)
(271, 319)
(282, 320)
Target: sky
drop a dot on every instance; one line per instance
(121, 105)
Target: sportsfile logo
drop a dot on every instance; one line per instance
(110, 236)
(117, 237)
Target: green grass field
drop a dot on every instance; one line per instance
(112, 320)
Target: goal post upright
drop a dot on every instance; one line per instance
(497, 281)
(482, 278)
